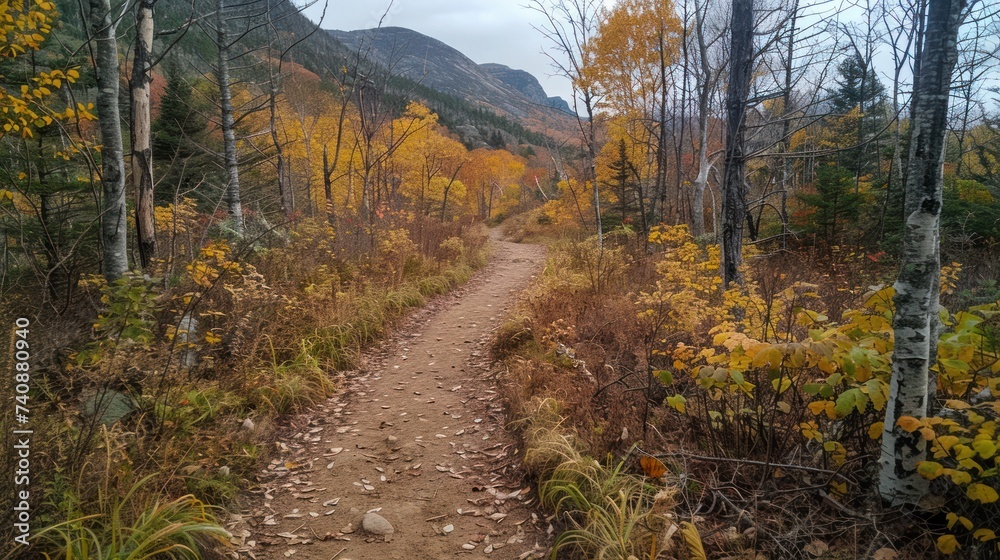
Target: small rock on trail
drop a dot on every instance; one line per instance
(376, 524)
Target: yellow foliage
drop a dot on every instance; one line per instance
(837, 369)
(635, 38)
(211, 265)
(24, 26)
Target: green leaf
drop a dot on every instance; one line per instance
(956, 365)
(811, 388)
(677, 402)
(846, 401)
(665, 376)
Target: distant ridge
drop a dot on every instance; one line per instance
(526, 83)
(436, 65)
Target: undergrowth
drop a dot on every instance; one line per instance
(765, 403)
(153, 417)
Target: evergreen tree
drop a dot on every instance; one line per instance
(624, 177)
(178, 122)
(835, 202)
(177, 133)
(859, 106)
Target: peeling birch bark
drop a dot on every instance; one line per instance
(114, 225)
(915, 323)
(142, 153)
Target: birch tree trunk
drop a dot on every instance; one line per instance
(786, 129)
(704, 85)
(734, 176)
(915, 322)
(232, 195)
(142, 155)
(114, 225)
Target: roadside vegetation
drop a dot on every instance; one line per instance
(765, 411)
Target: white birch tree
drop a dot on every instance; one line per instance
(114, 224)
(916, 324)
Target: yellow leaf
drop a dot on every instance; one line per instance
(956, 404)
(984, 535)
(947, 544)
(908, 423)
(817, 407)
(947, 442)
(781, 385)
(982, 493)
(875, 430)
(930, 470)
(963, 452)
(985, 448)
(960, 478)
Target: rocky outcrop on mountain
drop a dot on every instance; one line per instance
(434, 64)
(526, 83)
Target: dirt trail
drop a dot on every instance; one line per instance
(417, 435)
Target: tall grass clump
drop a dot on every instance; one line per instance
(136, 525)
(607, 512)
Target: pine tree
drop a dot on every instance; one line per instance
(835, 202)
(623, 176)
(859, 105)
(178, 123)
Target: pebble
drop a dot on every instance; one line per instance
(376, 524)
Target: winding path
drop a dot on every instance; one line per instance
(416, 436)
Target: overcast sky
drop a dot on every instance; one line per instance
(484, 30)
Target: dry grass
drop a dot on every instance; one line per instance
(273, 326)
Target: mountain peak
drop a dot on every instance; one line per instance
(433, 63)
(526, 83)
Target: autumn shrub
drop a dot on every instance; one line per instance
(782, 382)
(790, 370)
(579, 346)
(219, 336)
(451, 250)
